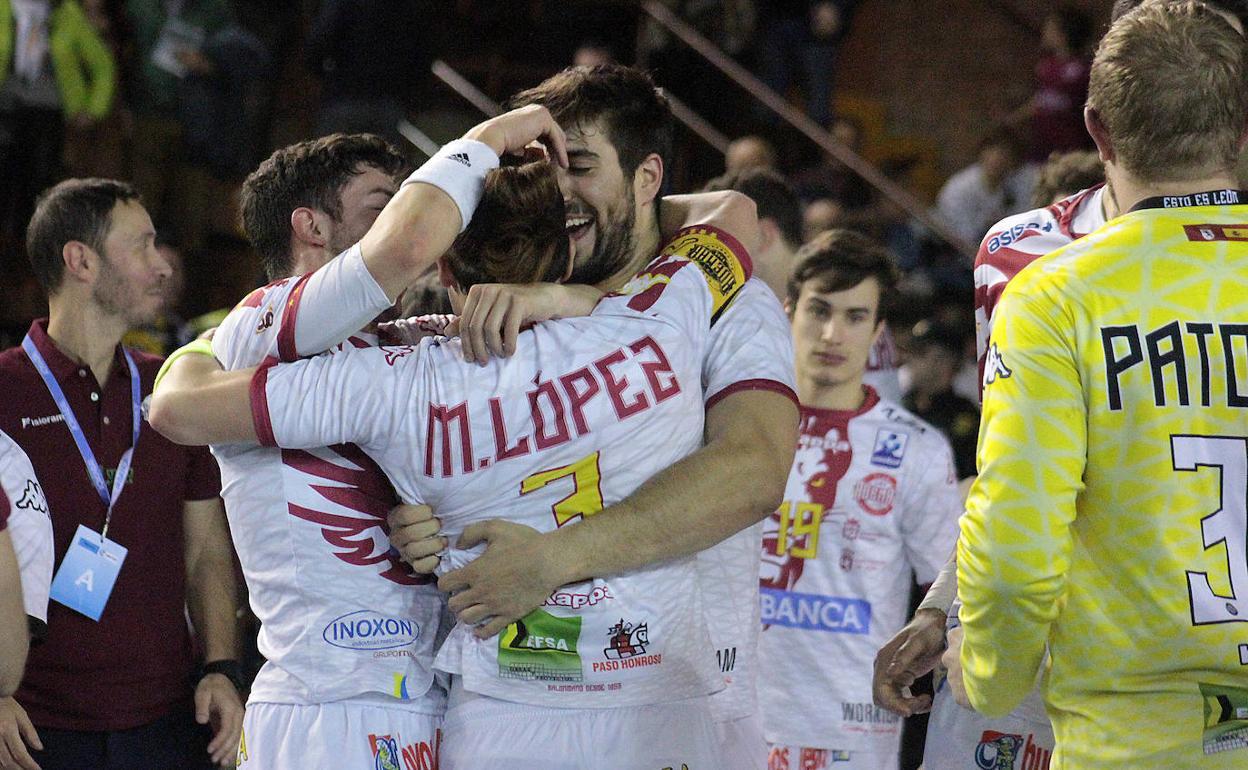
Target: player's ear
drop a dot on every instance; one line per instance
(445, 276)
(1100, 135)
(307, 227)
(648, 179)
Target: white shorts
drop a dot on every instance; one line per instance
(483, 733)
(785, 757)
(742, 743)
(350, 733)
(962, 739)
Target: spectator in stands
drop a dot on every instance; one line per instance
(1055, 111)
(938, 352)
(98, 149)
(54, 69)
(803, 43)
(115, 683)
(170, 40)
(819, 215)
(749, 152)
(779, 220)
(985, 191)
(829, 178)
(370, 55)
(591, 53)
(1066, 174)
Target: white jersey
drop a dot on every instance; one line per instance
(751, 349)
(872, 497)
(341, 615)
(24, 510)
(582, 414)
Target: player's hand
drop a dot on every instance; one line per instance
(952, 659)
(494, 312)
(512, 131)
(217, 703)
(410, 331)
(16, 733)
(912, 652)
(414, 534)
(504, 584)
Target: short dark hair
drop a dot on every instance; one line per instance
(310, 173)
(73, 210)
(635, 115)
(841, 259)
(1237, 8)
(517, 233)
(775, 197)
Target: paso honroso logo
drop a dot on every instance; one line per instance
(369, 630)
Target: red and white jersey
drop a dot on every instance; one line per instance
(882, 370)
(871, 501)
(1017, 241)
(341, 615)
(584, 412)
(751, 347)
(24, 510)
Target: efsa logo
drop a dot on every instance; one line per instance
(541, 646)
(812, 612)
(368, 630)
(997, 751)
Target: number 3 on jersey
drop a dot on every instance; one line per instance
(1228, 524)
(586, 497)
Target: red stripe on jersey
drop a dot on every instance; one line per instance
(4, 510)
(286, 349)
(260, 403)
(737, 387)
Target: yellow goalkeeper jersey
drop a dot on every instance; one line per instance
(1108, 520)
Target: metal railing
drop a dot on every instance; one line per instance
(799, 120)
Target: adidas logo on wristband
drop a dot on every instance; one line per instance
(461, 157)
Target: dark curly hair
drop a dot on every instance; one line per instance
(841, 259)
(311, 174)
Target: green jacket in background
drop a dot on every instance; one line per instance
(83, 65)
(155, 90)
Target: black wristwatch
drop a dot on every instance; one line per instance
(230, 669)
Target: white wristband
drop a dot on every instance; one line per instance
(458, 169)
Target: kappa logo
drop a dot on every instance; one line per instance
(393, 354)
(890, 448)
(32, 498)
(627, 640)
(461, 157)
(994, 367)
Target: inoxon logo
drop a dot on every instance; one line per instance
(368, 630)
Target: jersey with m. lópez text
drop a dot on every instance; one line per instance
(24, 511)
(871, 500)
(341, 616)
(1017, 241)
(584, 412)
(1108, 519)
(751, 348)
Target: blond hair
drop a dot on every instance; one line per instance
(1168, 84)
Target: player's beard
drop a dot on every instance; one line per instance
(118, 298)
(613, 247)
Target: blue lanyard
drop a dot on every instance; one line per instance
(84, 449)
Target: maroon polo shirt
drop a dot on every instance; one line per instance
(134, 665)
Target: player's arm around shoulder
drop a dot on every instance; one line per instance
(197, 402)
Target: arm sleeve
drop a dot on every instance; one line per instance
(24, 504)
(301, 316)
(751, 348)
(343, 398)
(929, 528)
(1014, 550)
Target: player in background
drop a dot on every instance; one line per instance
(871, 501)
(325, 677)
(627, 657)
(1113, 369)
(619, 130)
(26, 557)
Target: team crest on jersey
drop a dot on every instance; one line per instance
(997, 751)
(626, 640)
(890, 448)
(875, 493)
(32, 498)
(994, 366)
(385, 752)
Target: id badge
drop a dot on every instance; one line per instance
(87, 574)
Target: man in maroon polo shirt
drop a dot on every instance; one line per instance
(121, 691)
